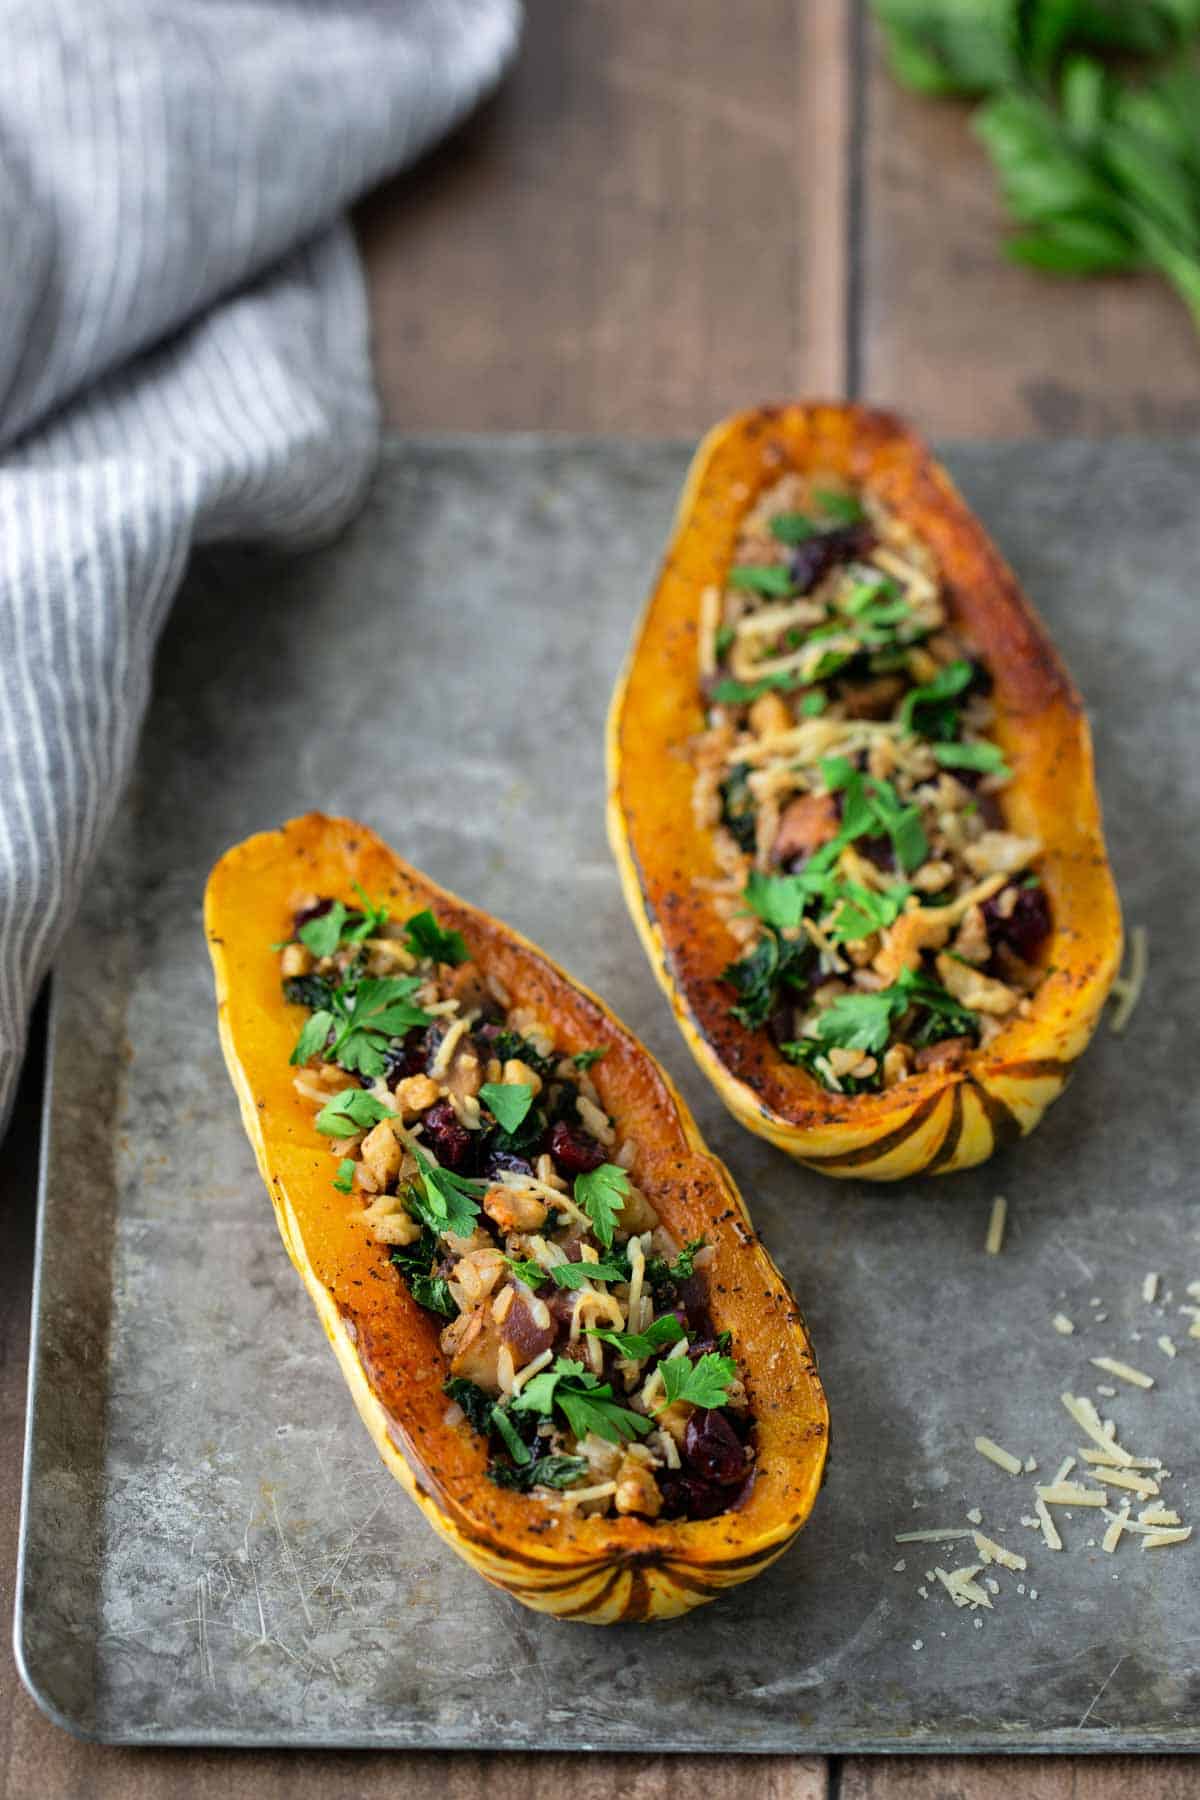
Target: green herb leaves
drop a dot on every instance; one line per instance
(445, 1201)
(426, 938)
(704, 1382)
(585, 1402)
(547, 1471)
(602, 1194)
(351, 1111)
(760, 578)
(638, 1345)
(985, 758)
(578, 1274)
(323, 934)
(343, 1181)
(743, 693)
(929, 711)
(587, 1059)
(418, 1264)
(362, 1017)
(864, 1021)
(508, 1102)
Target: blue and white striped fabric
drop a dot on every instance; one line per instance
(184, 352)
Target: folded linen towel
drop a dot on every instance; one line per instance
(184, 353)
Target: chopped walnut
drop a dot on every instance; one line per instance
(381, 1152)
(769, 715)
(897, 1064)
(904, 940)
(637, 1490)
(415, 1095)
(971, 940)
(851, 1062)
(1000, 852)
(519, 1074)
(297, 959)
(512, 1210)
(979, 993)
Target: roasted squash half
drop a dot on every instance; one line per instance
(600, 1570)
(933, 1121)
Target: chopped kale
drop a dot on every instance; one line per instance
(312, 991)
(507, 1046)
(774, 964)
(738, 810)
(547, 1471)
(475, 1403)
(418, 1263)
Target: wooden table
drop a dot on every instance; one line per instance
(672, 210)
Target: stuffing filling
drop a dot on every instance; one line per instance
(575, 1327)
(889, 920)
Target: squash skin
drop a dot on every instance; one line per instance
(597, 1570)
(937, 1121)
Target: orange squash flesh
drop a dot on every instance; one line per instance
(596, 1569)
(936, 1121)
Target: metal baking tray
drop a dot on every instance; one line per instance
(211, 1553)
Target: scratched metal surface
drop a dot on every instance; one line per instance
(211, 1553)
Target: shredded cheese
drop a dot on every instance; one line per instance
(1069, 1493)
(1166, 1345)
(1122, 1371)
(531, 1368)
(1112, 1536)
(1062, 1324)
(932, 1536)
(1136, 1484)
(1157, 1539)
(992, 1552)
(1087, 1418)
(1049, 1532)
(1150, 1288)
(962, 1587)
(996, 1224)
(1127, 988)
(1003, 1459)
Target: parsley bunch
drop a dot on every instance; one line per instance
(1100, 171)
(864, 1021)
(584, 1400)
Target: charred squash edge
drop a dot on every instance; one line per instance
(598, 1570)
(938, 1121)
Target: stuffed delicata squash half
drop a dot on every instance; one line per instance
(545, 1295)
(853, 804)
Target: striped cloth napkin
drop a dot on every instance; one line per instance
(184, 353)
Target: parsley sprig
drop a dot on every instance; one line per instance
(443, 1200)
(362, 1017)
(584, 1400)
(602, 1195)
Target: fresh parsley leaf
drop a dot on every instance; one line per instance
(343, 1181)
(314, 1036)
(602, 1194)
(586, 1403)
(840, 507)
(837, 772)
(323, 934)
(507, 1101)
(813, 705)
(372, 1013)
(577, 1274)
(723, 640)
(793, 527)
(908, 838)
(513, 1443)
(741, 693)
(928, 711)
(760, 578)
(587, 1059)
(531, 1273)
(639, 1345)
(547, 1471)
(369, 923)
(445, 1201)
(704, 1382)
(857, 1022)
(988, 759)
(474, 1401)
(724, 1342)
(858, 911)
(427, 939)
(354, 1109)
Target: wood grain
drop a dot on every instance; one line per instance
(1019, 1778)
(966, 343)
(644, 230)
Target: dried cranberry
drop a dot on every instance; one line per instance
(449, 1140)
(404, 1058)
(1027, 926)
(497, 1162)
(817, 555)
(689, 1497)
(711, 1448)
(576, 1152)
